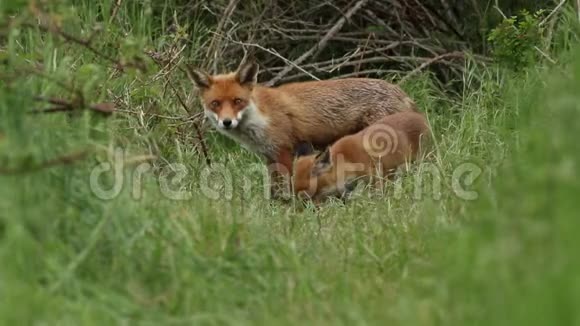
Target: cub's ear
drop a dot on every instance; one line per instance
(247, 73)
(323, 157)
(200, 78)
(303, 149)
(322, 162)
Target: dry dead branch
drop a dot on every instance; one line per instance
(321, 44)
(425, 64)
(62, 160)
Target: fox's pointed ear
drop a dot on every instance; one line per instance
(247, 73)
(200, 78)
(303, 149)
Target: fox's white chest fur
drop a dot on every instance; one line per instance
(251, 131)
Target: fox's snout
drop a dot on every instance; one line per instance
(228, 123)
(228, 119)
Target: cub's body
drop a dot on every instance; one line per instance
(374, 151)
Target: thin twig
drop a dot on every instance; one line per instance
(496, 7)
(84, 43)
(367, 72)
(166, 117)
(186, 109)
(455, 54)
(55, 101)
(383, 59)
(62, 160)
(321, 44)
(52, 109)
(545, 55)
(380, 21)
(212, 50)
(274, 53)
(440, 18)
(61, 105)
(358, 66)
(115, 10)
(194, 123)
(552, 13)
(347, 59)
(46, 24)
(340, 61)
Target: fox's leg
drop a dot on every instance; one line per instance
(274, 182)
(280, 173)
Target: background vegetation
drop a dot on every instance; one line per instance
(84, 80)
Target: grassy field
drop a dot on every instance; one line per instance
(489, 238)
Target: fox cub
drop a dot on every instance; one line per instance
(271, 121)
(375, 151)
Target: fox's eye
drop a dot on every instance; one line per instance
(237, 101)
(215, 104)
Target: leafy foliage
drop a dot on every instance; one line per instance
(515, 40)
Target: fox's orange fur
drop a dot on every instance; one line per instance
(375, 151)
(271, 121)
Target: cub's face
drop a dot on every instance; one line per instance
(304, 183)
(315, 177)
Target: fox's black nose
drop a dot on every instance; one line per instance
(227, 122)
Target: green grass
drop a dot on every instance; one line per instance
(70, 257)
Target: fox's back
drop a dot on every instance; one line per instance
(336, 93)
(323, 111)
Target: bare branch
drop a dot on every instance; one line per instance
(496, 7)
(196, 126)
(273, 52)
(194, 123)
(84, 43)
(61, 105)
(322, 43)
(456, 54)
(115, 10)
(62, 160)
(367, 72)
(552, 13)
(212, 50)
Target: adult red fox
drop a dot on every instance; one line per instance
(270, 121)
(375, 151)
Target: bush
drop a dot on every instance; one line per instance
(516, 38)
